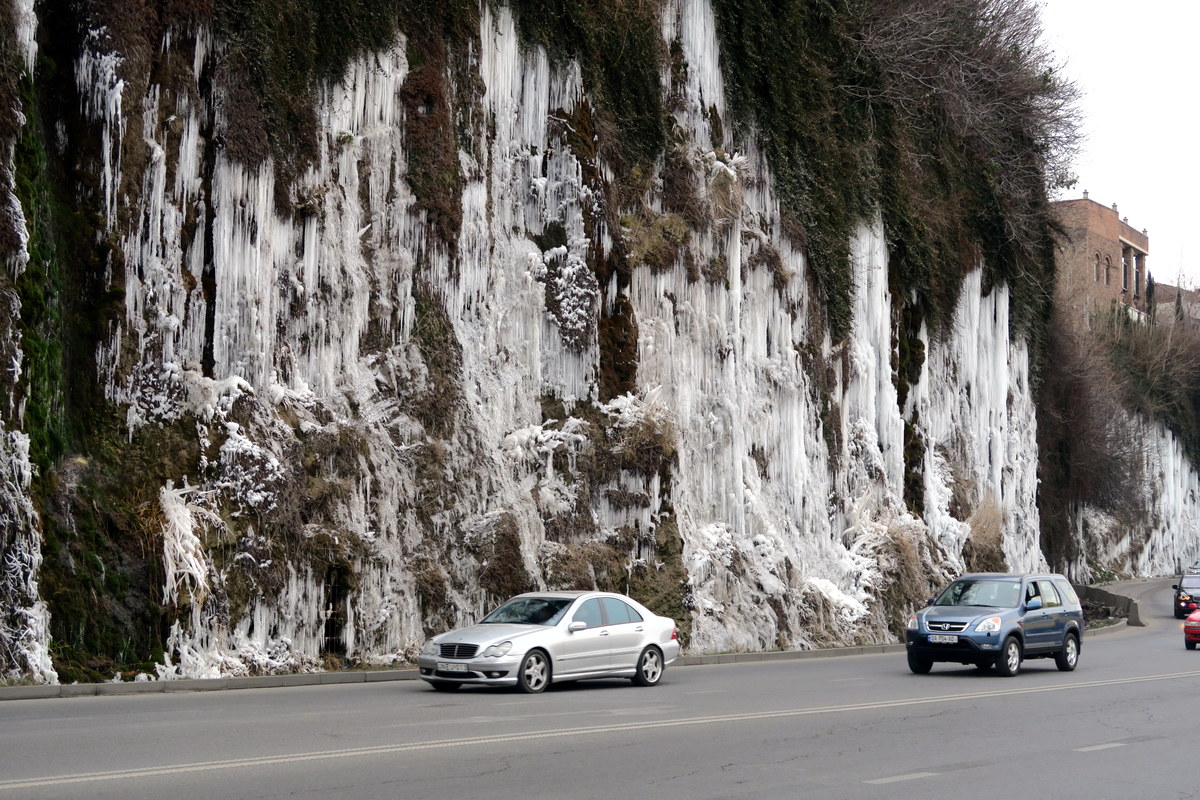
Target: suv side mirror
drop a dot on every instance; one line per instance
(1033, 604)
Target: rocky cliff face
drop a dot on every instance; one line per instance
(313, 409)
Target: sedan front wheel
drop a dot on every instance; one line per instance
(649, 667)
(534, 674)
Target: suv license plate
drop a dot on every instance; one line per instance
(451, 667)
(942, 638)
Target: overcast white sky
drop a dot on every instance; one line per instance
(1138, 64)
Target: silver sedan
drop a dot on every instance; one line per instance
(540, 637)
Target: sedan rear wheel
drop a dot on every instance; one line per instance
(649, 667)
(1068, 657)
(1009, 662)
(534, 674)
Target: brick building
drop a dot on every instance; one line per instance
(1103, 258)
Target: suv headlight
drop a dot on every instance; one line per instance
(989, 625)
(497, 650)
(913, 624)
(430, 648)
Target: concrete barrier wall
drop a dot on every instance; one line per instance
(1121, 606)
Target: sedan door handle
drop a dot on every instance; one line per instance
(604, 632)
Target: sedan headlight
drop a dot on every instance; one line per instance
(989, 625)
(1192, 623)
(1185, 597)
(430, 648)
(913, 624)
(497, 650)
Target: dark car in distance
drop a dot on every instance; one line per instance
(998, 620)
(1187, 595)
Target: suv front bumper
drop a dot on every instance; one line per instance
(968, 648)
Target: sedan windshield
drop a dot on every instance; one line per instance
(989, 593)
(530, 611)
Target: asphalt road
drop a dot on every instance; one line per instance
(1121, 726)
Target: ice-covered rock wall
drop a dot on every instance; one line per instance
(1163, 538)
(24, 617)
(386, 430)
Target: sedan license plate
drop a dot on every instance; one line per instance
(451, 667)
(942, 638)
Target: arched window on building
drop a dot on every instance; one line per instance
(1097, 267)
(1108, 270)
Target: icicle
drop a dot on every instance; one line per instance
(184, 560)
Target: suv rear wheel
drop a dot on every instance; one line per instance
(1068, 657)
(1009, 662)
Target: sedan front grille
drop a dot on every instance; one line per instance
(455, 650)
(946, 627)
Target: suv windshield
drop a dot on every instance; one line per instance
(530, 611)
(989, 593)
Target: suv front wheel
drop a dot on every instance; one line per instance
(1008, 663)
(919, 664)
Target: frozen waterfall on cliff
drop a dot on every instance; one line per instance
(415, 415)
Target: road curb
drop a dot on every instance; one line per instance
(43, 691)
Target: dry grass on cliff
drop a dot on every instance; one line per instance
(983, 550)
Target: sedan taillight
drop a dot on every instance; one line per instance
(674, 633)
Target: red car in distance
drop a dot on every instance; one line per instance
(1191, 630)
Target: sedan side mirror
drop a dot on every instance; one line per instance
(576, 625)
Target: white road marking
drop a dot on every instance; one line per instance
(1094, 747)
(324, 755)
(912, 776)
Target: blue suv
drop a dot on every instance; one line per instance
(998, 620)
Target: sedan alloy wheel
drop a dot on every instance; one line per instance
(534, 673)
(649, 667)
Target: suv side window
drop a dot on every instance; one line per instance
(1068, 593)
(1031, 591)
(1049, 595)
